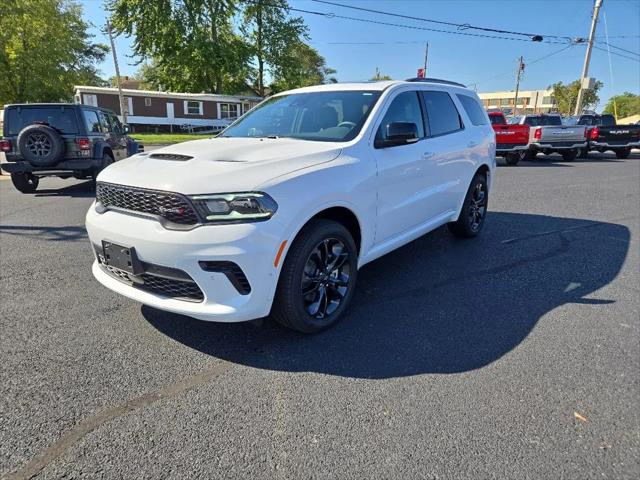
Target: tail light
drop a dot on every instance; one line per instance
(84, 143)
(595, 133)
(5, 145)
(537, 134)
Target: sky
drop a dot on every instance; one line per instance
(355, 49)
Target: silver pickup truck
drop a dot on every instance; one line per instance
(548, 135)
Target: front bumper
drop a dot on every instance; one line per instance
(558, 146)
(251, 246)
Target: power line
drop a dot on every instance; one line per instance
(616, 53)
(620, 48)
(463, 26)
(332, 15)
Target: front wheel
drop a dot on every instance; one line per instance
(25, 182)
(623, 153)
(474, 209)
(318, 278)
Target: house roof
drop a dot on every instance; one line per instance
(153, 93)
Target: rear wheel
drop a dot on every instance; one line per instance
(474, 209)
(583, 153)
(25, 182)
(514, 158)
(318, 278)
(623, 153)
(569, 156)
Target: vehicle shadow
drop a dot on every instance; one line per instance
(437, 305)
(83, 189)
(55, 234)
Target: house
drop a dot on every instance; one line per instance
(151, 111)
(529, 101)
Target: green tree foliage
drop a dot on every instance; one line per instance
(566, 96)
(310, 68)
(222, 46)
(45, 50)
(627, 104)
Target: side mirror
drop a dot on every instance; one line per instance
(399, 133)
(127, 129)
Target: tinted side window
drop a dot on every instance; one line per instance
(441, 112)
(106, 127)
(92, 121)
(497, 120)
(404, 108)
(473, 109)
(116, 126)
(607, 121)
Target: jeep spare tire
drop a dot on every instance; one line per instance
(40, 145)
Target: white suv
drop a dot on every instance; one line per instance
(276, 215)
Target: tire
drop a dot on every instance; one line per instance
(514, 158)
(569, 156)
(583, 153)
(530, 155)
(106, 161)
(40, 145)
(623, 153)
(474, 209)
(25, 182)
(297, 311)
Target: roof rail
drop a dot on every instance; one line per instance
(435, 80)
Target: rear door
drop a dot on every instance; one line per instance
(406, 177)
(447, 150)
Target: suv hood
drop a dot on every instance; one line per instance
(219, 165)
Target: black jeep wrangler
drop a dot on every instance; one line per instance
(60, 140)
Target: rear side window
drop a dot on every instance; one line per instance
(404, 108)
(441, 112)
(92, 121)
(474, 111)
(104, 120)
(62, 119)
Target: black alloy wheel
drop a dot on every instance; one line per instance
(325, 278)
(474, 209)
(38, 144)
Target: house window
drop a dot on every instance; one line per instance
(90, 99)
(229, 111)
(192, 107)
(548, 101)
(147, 102)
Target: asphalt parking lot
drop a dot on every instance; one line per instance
(515, 355)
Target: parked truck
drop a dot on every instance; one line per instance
(548, 135)
(512, 141)
(603, 134)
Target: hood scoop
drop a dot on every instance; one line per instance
(170, 156)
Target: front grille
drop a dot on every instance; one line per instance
(171, 206)
(187, 290)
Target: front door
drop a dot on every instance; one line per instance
(406, 184)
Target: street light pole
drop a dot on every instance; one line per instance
(123, 112)
(587, 58)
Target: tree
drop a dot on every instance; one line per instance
(45, 50)
(379, 76)
(627, 104)
(566, 96)
(309, 69)
(271, 33)
(192, 41)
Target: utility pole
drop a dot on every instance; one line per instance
(123, 112)
(426, 56)
(518, 75)
(587, 58)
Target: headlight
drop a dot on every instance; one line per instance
(235, 207)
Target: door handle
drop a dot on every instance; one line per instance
(427, 155)
(472, 144)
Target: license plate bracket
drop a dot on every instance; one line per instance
(121, 257)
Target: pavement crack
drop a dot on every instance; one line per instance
(71, 437)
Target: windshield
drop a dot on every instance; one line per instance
(335, 116)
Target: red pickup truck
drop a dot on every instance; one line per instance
(512, 141)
